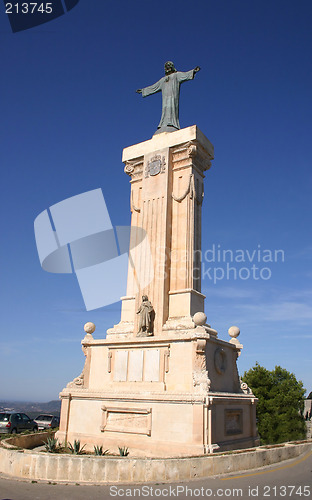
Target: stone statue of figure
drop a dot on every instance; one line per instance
(147, 316)
(169, 85)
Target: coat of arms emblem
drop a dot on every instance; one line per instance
(155, 165)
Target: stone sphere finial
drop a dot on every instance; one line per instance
(200, 318)
(234, 332)
(89, 327)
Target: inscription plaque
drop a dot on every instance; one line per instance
(121, 366)
(233, 422)
(151, 365)
(128, 420)
(137, 365)
(135, 369)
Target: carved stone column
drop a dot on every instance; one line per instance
(167, 175)
(189, 161)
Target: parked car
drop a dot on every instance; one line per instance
(13, 422)
(47, 421)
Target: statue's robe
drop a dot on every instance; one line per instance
(146, 316)
(169, 85)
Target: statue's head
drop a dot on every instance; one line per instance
(169, 68)
(144, 298)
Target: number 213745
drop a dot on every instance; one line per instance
(28, 8)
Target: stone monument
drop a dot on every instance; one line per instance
(162, 383)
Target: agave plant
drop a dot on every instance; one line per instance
(75, 449)
(123, 452)
(98, 450)
(51, 445)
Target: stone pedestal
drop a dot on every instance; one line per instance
(164, 396)
(178, 391)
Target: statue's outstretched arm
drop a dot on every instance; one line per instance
(183, 76)
(152, 89)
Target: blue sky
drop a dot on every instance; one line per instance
(69, 107)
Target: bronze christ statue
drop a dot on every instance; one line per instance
(169, 86)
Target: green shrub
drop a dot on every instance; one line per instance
(280, 404)
(75, 449)
(123, 452)
(98, 450)
(51, 445)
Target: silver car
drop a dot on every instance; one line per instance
(13, 422)
(47, 422)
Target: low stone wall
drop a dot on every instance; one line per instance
(28, 441)
(33, 465)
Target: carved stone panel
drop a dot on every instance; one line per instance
(135, 366)
(120, 366)
(139, 365)
(151, 365)
(220, 360)
(128, 420)
(200, 373)
(233, 420)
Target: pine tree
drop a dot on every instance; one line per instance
(280, 406)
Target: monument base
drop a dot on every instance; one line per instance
(176, 394)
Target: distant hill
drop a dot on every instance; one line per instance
(32, 409)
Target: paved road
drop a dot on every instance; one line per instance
(291, 479)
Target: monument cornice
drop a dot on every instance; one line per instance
(161, 342)
(209, 398)
(127, 397)
(169, 140)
